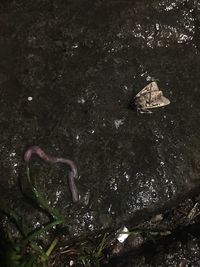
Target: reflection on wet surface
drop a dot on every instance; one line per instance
(68, 73)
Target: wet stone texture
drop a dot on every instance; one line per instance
(68, 71)
(182, 253)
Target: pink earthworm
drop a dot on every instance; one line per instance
(52, 160)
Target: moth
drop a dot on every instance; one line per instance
(150, 97)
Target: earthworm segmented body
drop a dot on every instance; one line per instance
(52, 160)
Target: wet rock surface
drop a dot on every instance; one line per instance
(169, 239)
(68, 72)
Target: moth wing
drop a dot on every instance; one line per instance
(159, 102)
(151, 87)
(156, 95)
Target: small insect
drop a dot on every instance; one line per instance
(150, 97)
